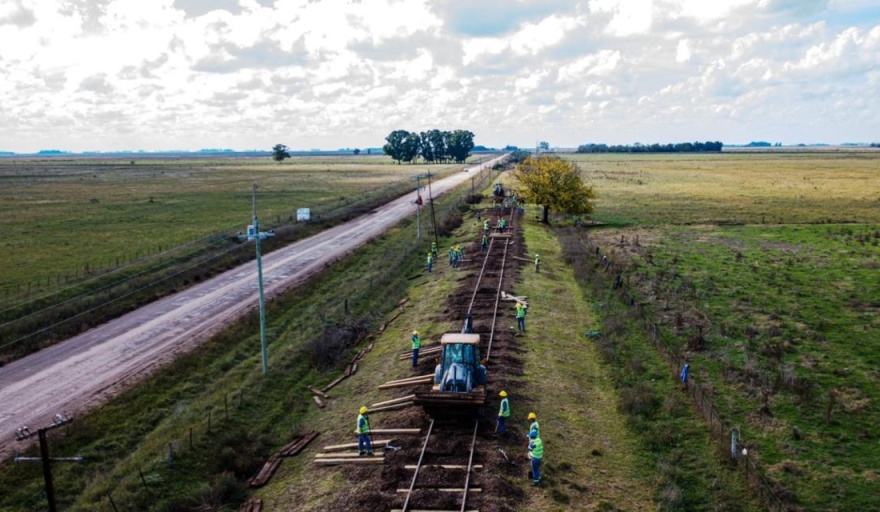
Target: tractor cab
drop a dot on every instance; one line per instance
(459, 387)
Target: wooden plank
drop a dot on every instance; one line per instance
(346, 455)
(408, 383)
(347, 371)
(318, 392)
(443, 466)
(339, 379)
(350, 446)
(397, 431)
(406, 398)
(266, 472)
(354, 368)
(415, 377)
(431, 510)
(441, 489)
(360, 460)
(392, 407)
(318, 401)
(297, 446)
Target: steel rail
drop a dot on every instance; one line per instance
(418, 467)
(467, 481)
(480, 277)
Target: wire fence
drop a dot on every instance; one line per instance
(774, 496)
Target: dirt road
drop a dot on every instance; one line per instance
(87, 370)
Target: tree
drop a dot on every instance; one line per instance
(555, 184)
(459, 144)
(394, 147)
(357, 151)
(412, 146)
(280, 152)
(544, 145)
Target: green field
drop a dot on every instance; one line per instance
(64, 218)
(779, 315)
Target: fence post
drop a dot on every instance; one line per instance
(112, 503)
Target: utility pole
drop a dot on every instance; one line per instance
(433, 217)
(255, 235)
(418, 207)
(23, 433)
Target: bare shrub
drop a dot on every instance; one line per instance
(335, 342)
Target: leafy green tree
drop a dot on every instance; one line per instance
(555, 184)
(280, 152)
(357, 151)
(412, 146)
(437, 140)
(459, 144)
(395, 144)
(544, 145)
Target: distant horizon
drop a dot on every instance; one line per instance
(378, 150)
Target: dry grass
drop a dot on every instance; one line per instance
(735, 188)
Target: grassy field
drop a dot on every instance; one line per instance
(779, 320)
(83, 266)
(64, 218)
(767, 188)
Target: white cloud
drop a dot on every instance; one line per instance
(154, 75)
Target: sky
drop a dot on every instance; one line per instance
(113, 75)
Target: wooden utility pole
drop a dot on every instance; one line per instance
(45, 459)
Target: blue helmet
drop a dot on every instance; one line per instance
(533, 434)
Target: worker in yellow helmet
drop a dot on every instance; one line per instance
(534, 427)
(503, 413)
(365, 444)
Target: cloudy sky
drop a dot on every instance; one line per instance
(188, 74)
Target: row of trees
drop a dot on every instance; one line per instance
(681, 147)
(432, 146)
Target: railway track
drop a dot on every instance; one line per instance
(441, 480)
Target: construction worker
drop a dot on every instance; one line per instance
(416, 345)
(365, 445)
(451, 255)
(503, 412)
(521, 317)
(534, 427)
(430, 262)
(536, 455)
(683, 377)
(434, 249)
(486, 226)
(484, 243)
(537, 263)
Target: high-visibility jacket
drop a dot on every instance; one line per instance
(536, 428)
(416, 341)
(520, 312)
(537, 260)
(430, 259)
(536, 449)
(504, 411)
(486, 224)
(363, 425)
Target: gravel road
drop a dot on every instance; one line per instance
(89, 369)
